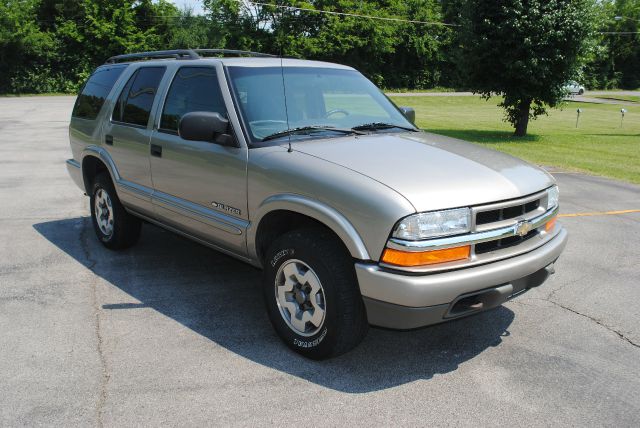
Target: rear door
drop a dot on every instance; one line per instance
(199, 187)
(127, 136)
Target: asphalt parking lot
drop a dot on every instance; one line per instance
(172, 333)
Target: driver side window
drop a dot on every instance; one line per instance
(192, 89)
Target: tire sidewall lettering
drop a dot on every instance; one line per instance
(280, 255)
(310, 343)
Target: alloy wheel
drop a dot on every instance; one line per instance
(103, 211)
(300, 297)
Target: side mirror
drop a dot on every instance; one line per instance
(206, 126)
(409, 113)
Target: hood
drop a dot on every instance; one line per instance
(432, 171)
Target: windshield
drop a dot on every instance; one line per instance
(317, 100)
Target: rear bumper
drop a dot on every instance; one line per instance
(75, 172)
(401, 301)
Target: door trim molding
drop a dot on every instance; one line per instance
(197, 212)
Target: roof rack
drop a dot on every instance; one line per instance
(139, 56)
(232, 52)
(181, 54)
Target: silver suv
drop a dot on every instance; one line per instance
(307, 170)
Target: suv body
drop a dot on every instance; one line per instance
(332, 216)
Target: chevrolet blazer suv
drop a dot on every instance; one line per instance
(308, 171)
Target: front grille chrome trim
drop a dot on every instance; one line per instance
(469, 238)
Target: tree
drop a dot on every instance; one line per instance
(189, 30)
(25, 49)
(53, 45)
(370, 45)
(525, 51)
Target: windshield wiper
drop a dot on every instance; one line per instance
(381, 125)
(307, 129)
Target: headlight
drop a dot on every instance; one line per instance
(552, 197)
(433, 224)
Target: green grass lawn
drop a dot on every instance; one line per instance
(599, 145)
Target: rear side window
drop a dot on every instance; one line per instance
(94, 92)
(192, 89)
(136, 99)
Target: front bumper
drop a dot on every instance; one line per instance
(402, 301)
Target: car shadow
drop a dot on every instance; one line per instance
(219, 298)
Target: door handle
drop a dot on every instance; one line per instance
(108, 139)
(156, 150)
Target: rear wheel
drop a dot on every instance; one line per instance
(113, 225)
(581, 91)
(312, 296)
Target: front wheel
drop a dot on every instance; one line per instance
(581, 91)
(312, 296)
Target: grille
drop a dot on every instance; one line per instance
(506, 213)
(500, 244)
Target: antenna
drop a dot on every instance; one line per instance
(286, 110)
(284, 89)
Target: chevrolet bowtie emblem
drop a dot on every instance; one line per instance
(523, 227)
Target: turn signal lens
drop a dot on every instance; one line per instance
(422, 258)
(550, 224)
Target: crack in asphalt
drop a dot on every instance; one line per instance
(91, 263)
(595, 320)
(566, 284)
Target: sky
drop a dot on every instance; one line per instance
(195, 4)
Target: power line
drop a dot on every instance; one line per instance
(354, 15)
(620, 18)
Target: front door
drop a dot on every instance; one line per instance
(199, 187)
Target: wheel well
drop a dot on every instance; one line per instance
(279, 222)
(91, 166)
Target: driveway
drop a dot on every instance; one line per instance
(588, 97)
(170, 332)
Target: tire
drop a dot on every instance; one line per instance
(581, 91)
(114, 226)
(338, 300)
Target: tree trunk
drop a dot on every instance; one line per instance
(522, 121)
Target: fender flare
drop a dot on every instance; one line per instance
(313, 209)
(103, 156)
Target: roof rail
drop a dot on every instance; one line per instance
(176, 54)
(180, 54)
(232, 52)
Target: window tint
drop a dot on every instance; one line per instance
(136, 99)
(193, 89)
(94, 92)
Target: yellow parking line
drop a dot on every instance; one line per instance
(599, 213)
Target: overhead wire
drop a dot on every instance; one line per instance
(354, 15)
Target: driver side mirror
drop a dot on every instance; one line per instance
(409, 113)
(206, 126)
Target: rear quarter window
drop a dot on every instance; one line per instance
(95, 91)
